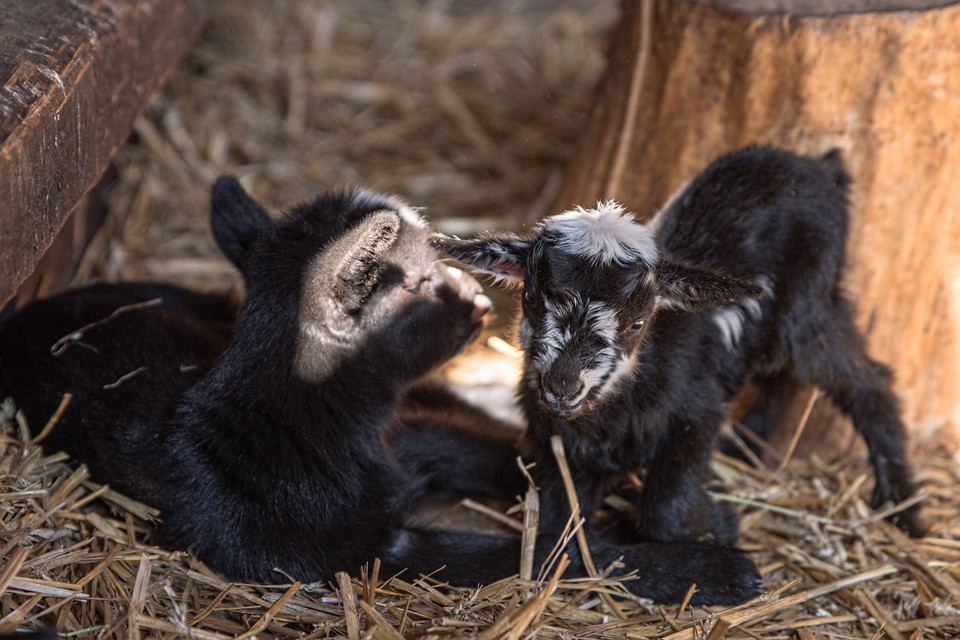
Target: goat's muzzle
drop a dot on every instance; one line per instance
(563, 395)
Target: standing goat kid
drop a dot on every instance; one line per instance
(636, 336)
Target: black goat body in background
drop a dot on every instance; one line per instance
(636, 336)
(293, 440)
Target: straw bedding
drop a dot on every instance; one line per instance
(469, 109)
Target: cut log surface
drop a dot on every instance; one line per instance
(688, 81)
(74, 77)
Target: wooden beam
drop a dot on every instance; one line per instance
(75, 75)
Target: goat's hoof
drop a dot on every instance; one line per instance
(910, 522)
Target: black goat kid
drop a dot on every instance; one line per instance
(294, 446)
(635, 336)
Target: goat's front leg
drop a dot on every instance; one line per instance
(555, 506)
(673, 505)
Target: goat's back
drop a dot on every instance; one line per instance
(762, 212)
(125, 352)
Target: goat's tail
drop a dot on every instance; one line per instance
(664, 571)
(831, 163)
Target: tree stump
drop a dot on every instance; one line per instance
(688, 81)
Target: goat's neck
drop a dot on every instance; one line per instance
(256, 374)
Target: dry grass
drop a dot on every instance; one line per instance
(472, 114)
(832, 569)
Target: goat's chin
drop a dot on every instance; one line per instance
(563, 411)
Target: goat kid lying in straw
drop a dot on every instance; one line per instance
(636, 336)
(294, 441)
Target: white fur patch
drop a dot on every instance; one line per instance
(412, 217)
(601, 374)
(561, 323)
(553, 341)
(730, 319)
(602, 320)
(730, 322)
(624, 370)
(606, 234)
(363, 196)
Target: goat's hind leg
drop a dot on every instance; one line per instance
(861, 388)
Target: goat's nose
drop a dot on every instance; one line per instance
(481, 306)
(562, 390)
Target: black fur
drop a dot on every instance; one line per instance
(761, 230)
(43, 633)
(294, 447)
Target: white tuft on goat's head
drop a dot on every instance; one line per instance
(604, 235)
(592, 281)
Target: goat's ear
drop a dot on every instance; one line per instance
(362, 262)
(693, 288)
(502, 255)
(235, 217)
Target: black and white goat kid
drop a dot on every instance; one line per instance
(636, 336)
(291, 442)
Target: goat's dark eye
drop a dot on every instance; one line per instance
(637, 325)
(414, 287)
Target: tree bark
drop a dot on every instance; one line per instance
(687, 81)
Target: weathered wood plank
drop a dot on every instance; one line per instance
(75, 75)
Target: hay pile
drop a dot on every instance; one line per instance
(468, 111)
(471, 111)
(832, 569)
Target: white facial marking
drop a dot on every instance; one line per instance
(556, 334)
(602, 321)
(624, 370)
(568, 325)
(752, 307)
(606, 234)
(551, 344)
(599, 375)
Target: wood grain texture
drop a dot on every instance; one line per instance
(825, 7)
(883, 87)
(75, 75)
